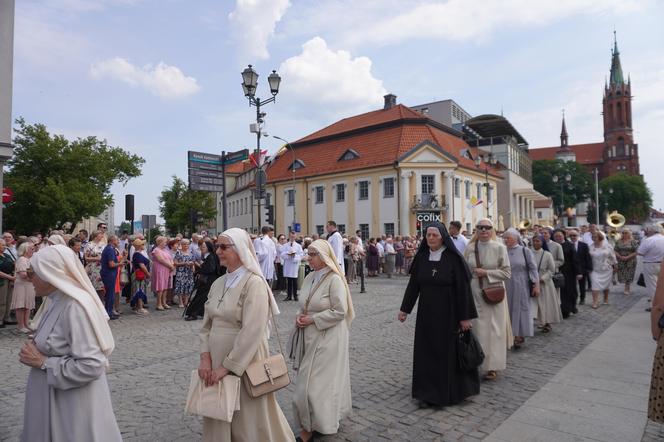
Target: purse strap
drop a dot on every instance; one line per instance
(276, 329)
(477, 263)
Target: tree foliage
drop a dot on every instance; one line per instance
(577, 190)
(57, 182)
(181, 207)
(631, 196)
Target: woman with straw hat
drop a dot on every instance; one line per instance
(319, 347)
(67, 396)
(234, 334)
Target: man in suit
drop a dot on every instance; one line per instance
(568, 293)
(584, 263)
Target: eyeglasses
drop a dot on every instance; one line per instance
(224, 246)
(103, 227)
(485, 228)
(312, 254)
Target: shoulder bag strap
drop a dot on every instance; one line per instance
(477, 262)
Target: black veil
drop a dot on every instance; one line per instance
(423, 250)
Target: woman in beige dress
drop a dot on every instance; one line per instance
(234, 334)
(322, 391)
(23, 298)
(492, 326)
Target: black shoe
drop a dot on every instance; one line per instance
(190, 318)
(288, 298)
(11, 323)
(296, 299)
(582, 302)
(575, 311)
(565, 315)
(2, 325)
(114, 317)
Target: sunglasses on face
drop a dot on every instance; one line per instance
(484, 228)
(224, 246)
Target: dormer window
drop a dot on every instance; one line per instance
(350, 154)
(297, 164)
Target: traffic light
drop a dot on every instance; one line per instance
(269, 220)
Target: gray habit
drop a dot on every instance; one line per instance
(70, 401)
(518, 290)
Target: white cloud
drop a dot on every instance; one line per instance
(389, 22)
(162, 80)
(253, 23)
(331, 81)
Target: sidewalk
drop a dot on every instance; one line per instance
(600, 395)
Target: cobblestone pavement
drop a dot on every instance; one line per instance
(154, 356)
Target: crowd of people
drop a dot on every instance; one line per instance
(502, 286)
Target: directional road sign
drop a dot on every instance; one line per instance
(236, 157)
(206, 180)
(206, 187)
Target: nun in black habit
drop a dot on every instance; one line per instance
(440, 278)
(209, 271)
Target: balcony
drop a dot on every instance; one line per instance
(428, 201)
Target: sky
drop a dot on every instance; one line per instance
(161, 77)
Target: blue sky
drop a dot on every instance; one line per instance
(161, 77)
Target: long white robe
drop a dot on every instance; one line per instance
(234, 332)
(266, 252)
(322, 387)
(70, 401)
(492, 326)
(291, 261)
(337, 243)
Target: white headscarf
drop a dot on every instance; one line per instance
(59, 266)
(329, 258)
(56, 239)
(245, 250)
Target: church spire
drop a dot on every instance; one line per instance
(563, 134)
(616, 70)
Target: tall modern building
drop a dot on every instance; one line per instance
(617, 152)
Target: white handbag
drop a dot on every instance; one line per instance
(219, 401)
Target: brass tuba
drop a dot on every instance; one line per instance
(615, 220)
(525, 224)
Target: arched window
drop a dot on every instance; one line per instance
(620, 148)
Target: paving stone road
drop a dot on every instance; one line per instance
(154, 356)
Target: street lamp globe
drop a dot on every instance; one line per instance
(568, 178)
(554, 178)
(274, 80)
(493, 160)
(478, 161)
(249, 81)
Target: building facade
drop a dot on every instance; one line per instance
(617, 152)
(388, 171)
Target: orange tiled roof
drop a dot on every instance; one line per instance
(590, 153)
(376, 143)
(543, 204)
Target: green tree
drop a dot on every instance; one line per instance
(57, 182)
(181, 207)
(124, 225)
(578, 189)
(628, 194)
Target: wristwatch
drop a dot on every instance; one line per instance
(43, 366)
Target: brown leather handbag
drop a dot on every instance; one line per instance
(267, 375)
(491, 295)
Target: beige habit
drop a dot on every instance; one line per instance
(556, 251)
(235, 333)
(492, 326)
(548, 301)
(322, 391)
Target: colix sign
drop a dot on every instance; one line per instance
(428, 217)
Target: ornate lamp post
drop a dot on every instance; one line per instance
(249, 85)
(563, 179)
(492, 161)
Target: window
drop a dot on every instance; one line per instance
(388, 187)
(479, 191)
(468, 227)
(320, 229)
(341, 193)
(364, 190)
(291, 197)
(489, 195)
(297, 164)
(539, 214)
(364, 231)
(246, 205)
(428, 184)
(620, 151)
(468, 186)
(388, 229)
(341, 228)
(350, 154)
(457, 188)
(319, 195)
(425, 110)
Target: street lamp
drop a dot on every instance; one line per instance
(249, 86)
(492, 160)
(563, 179)
(293, 176)
(606, 200)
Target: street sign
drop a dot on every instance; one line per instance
(202, 157)
(202, 165)
(205, 173)
(206, 187)
(261, 178)
(206, 180)
(236, 157)
(297, 227)
(149, 221)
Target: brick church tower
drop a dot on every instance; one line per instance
(621, 154)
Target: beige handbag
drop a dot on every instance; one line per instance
(267, 375)
(217, 402)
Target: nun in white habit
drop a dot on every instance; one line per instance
(234, 334)
(67, 396)
(320, 348)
